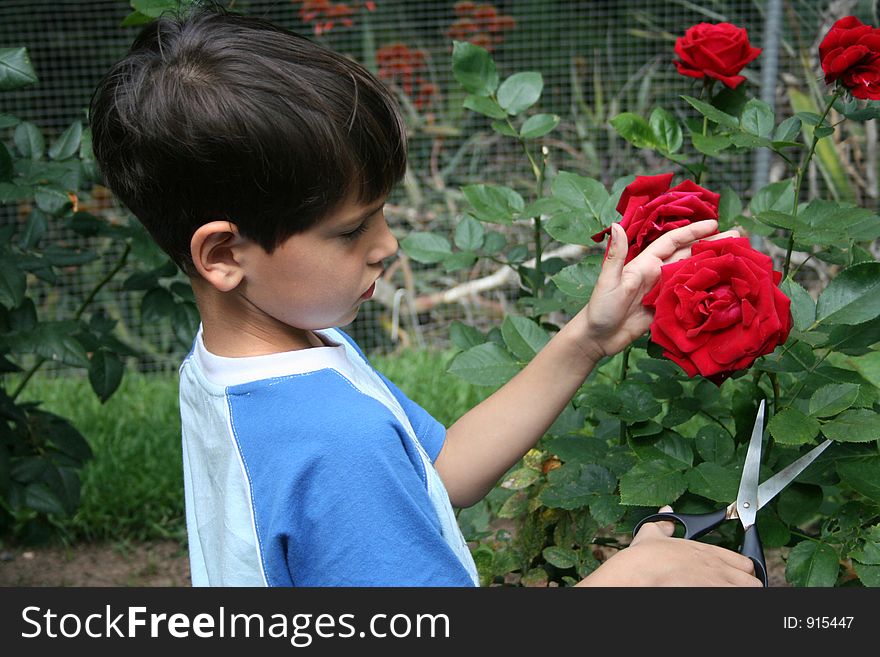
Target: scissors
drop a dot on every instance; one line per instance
(749, 499)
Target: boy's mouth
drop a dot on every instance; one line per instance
(369, 293)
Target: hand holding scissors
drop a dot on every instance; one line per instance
(749, 499)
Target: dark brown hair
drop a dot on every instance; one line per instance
(223, 116)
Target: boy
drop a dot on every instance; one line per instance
(261, 163)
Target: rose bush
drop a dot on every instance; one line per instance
(718, 51)
(719, 310)
(850, 53)
(645, 430)
(649, 208)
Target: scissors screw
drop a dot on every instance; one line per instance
(746, 505)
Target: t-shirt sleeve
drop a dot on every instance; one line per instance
(337, 501)
(429, 431)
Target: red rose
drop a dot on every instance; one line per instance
(649, 209)
(719, 310)
(850, 53)
(719, 51)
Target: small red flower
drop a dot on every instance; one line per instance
(481, 25)
(850, 55)
(719, 51)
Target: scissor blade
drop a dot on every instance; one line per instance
(771, 488)
(747, 497)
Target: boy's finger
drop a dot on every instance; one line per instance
(615, 257)
(659, 527)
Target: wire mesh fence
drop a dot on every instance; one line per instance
(597, 58)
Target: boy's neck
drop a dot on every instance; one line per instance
(230, 331)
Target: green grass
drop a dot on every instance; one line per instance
(133, 487)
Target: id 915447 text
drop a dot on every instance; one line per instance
(817, 622)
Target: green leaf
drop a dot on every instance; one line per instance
(652, 483)
(577, 280)
(16, 70)
(485, 365)
(713, 481)
(485, 106)
(869, 575)
(520, 91)
(576, 485)
(811, 563)
(6, 166)
(581, 193)
(464, 337)
(637, 402)
(39, 498)
(29, 140)
(105, 373)
(560, 557)
(791, 427)
(710, 145)
(13, 283)
(68, 142)
(712, 113)
(459, 260)
(862, 474)
(53, 341)
(493, 203)
(185, 322)
(757, 118)
(523, 337)
(666, 129)
(426, 247)
(729, 207)
(774, 533)
(474, 69)
(869, 552)
(855, 340)
(799, 503)
(852, 297)
(538, 125)
(520, 478)
(635, 130)
(714, 444)
(832, 399)
(803, 308)
(573, 227)
(788, 130)
(858, 425)
(52, 201)
(777, 196)
(504, 128)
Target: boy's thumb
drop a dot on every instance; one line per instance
(615, 256)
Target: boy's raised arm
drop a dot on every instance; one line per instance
(485, 442)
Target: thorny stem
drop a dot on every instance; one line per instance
(707, 86)
(624, 365)
(799, 181)
(76, 316)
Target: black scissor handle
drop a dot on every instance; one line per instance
(695, 525)
(753, 549)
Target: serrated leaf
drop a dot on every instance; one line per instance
(634, 129)
(666, 129)
(560, 557)
(811, 563)
(474, 68)
(426, 247)
(710, 145)
(803, 308)
(861, 474)
(714, 444)
(520, 478)
(778, 196)
(869, 551)
(868, 575)
(791, 427)
(713, 481)
(852, 297)
(712, 113)
(576, 485)
(523, 337)
(469, 234)
(493, 203)
(16, 70)
(637, 402)
(29, 140)
(464, 337)
(572, 227)
(520, 91)
(652, 483)
(485, 106)
(486, 365)
(757, 118)
(858, 425)
(788, 130)
(538, 125)
(105, 373)
(67, 143)
(833, 399)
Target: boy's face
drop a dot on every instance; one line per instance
(319, 278)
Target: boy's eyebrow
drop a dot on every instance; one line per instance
(364, 215)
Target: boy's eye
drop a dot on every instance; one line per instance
(353, 234)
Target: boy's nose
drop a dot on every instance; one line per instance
(386, 245)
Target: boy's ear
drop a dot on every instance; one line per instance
(215, 254)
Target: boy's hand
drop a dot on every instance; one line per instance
(654, 558)
(614, 316)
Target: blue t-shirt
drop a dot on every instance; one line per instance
(308, 468)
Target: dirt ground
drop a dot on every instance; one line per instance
(162, 563)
